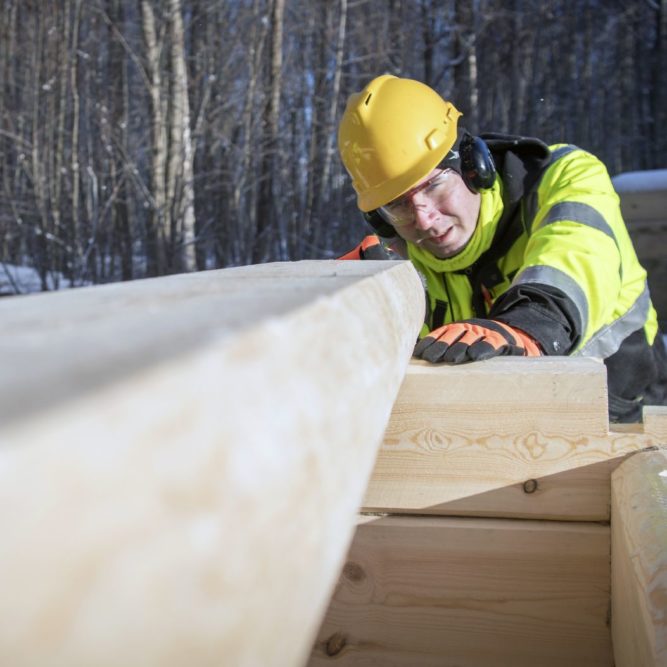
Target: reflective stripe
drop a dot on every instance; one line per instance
(584, 214)
(531, 200)
(608, 339)
(548, 275)
(563, 150)
(578, 212)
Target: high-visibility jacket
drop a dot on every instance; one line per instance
(551, 255)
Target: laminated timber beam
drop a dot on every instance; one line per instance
(639, 561)
(470, 592)
(182, 459)
(516, 438)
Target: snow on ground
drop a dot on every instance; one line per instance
(24, 280)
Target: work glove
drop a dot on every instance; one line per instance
(369, 248)
(474, 340)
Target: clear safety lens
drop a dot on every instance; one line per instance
(401, 211)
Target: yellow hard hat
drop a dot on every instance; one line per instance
(392, 134)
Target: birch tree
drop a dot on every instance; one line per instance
(267, 226)
(180, 180)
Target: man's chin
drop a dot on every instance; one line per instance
(444, 250)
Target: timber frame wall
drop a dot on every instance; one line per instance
(488, 524)
(183, 460)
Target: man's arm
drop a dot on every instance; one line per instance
(571, 278)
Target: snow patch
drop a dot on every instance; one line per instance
(25, 280)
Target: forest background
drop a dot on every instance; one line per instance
(145, 137)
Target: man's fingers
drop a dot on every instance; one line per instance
(468, 341)
(434, 347)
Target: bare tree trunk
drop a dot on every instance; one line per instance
(119, 214)
(335, 93)
(76, 110)
(465, 72)
(659, 89)
(330, 127)
(58, 175)
(180, 188)
(41, 258)
(319, 25)
(245, 191)
(267, 223)
(428, 38)
(159, 224)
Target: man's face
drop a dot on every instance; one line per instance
(439, 214)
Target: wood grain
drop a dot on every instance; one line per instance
(447, 592)
(639, 561)
(180, 481)
(505, 438)
(655, 423)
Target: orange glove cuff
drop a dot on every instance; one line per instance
(529, 344)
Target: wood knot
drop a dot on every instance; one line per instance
(354, 572)
(335, 644)
(530, 486)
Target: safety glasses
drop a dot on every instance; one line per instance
(436, 190)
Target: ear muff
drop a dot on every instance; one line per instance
(477, 167)
(379, 224)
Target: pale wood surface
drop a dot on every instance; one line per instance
(639, 561)
(504, 438)
(448, 592)
(180, 478)
(643, 194)
(650, 240)
(65, 343)
(644, 208)
(655, 423)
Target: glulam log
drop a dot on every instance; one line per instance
(182, 459)
(655, 423)
(639, 561)
(523, 438)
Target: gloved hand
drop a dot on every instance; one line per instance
(474, 340)
(369, 248)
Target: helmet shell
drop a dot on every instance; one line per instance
(392, 134)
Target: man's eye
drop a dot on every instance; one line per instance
(397, 206)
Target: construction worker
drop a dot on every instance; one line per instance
(521, 246)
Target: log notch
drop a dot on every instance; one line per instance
(639, 560)
(182, 459)
(514, 438)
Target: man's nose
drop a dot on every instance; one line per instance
(425, 211)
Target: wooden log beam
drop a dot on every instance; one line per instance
(522, 438)
(655, 423)
(182, 459)
(435, 591)
(644, 204)
(639, 560)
